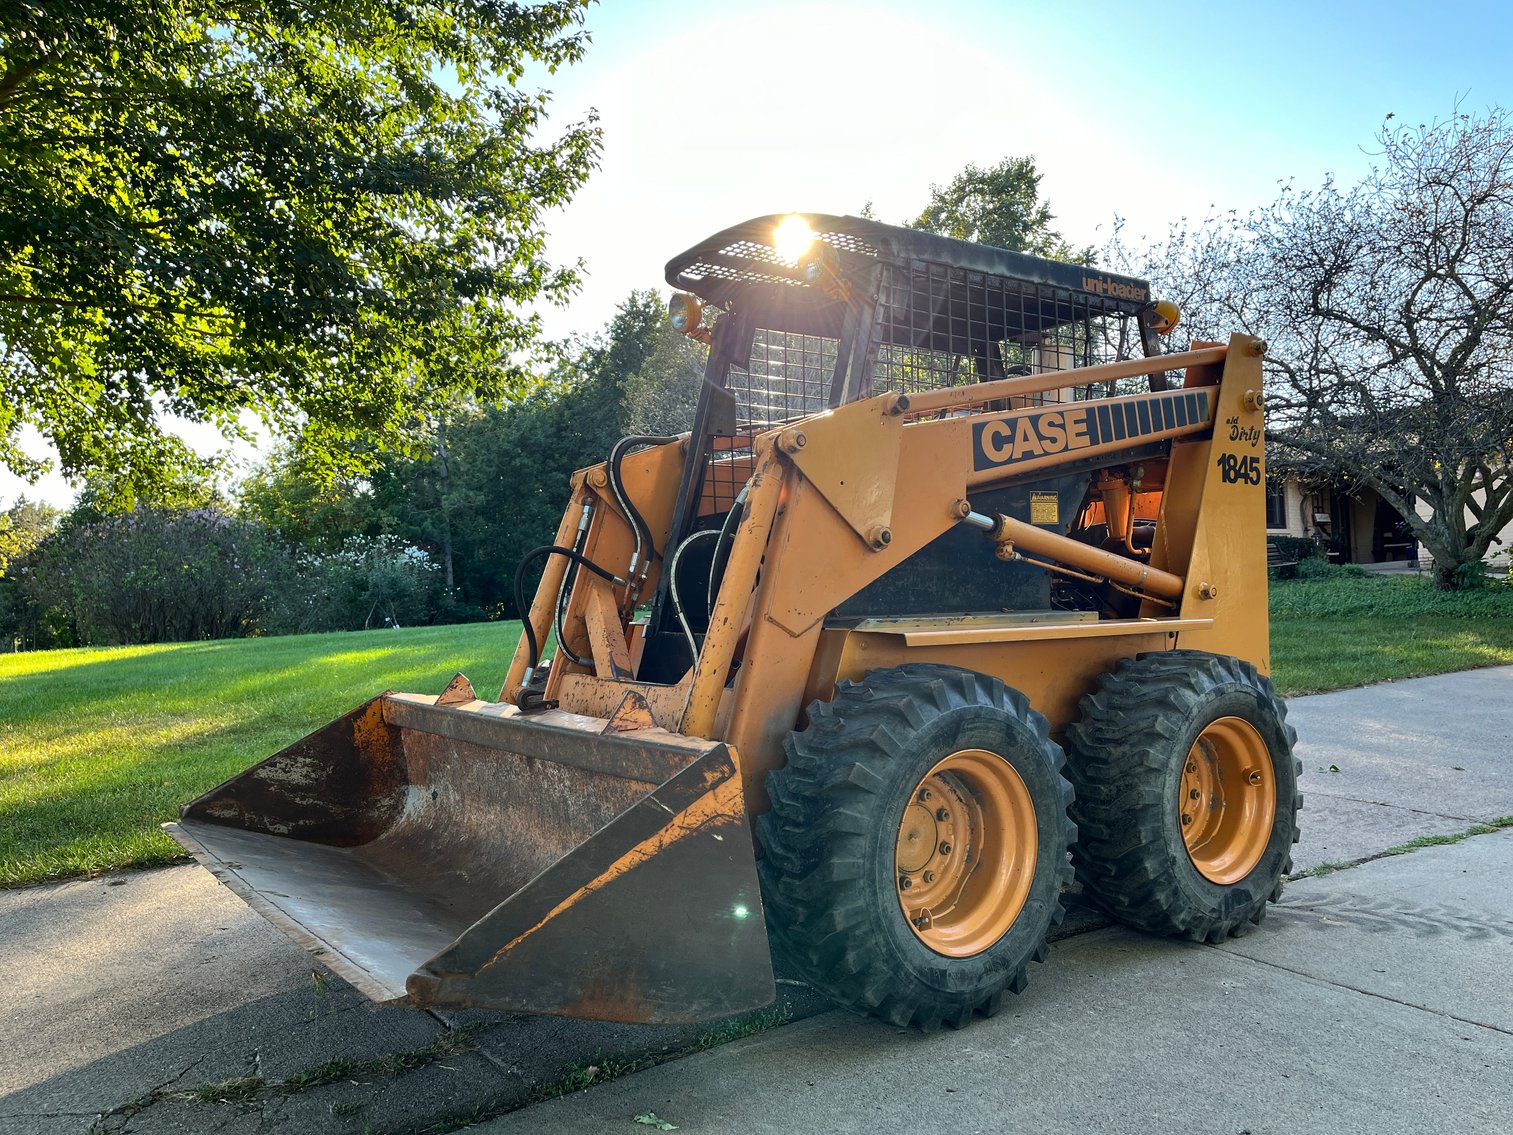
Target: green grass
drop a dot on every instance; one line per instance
(100, 746)
(1345, 630)
(1418, 843)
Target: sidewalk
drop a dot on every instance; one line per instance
(1377, 1000)
(129, 993)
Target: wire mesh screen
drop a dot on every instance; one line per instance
(730, 465)
(941, 326)
(789, 376)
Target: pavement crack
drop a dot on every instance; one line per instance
(146, 1099)
(1420, 843)
(1449, 1016)
(1314, 790)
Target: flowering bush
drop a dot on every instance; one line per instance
(380, 581)
(166, 575)
(154, 575)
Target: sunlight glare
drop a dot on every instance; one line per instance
(792, 238)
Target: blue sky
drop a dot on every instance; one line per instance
(718, 112)
(1149, 111)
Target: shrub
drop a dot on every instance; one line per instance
(1298, 549)
(368, 582)
(152, 575)
(1348, 591)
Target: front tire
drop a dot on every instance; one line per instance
(916, 848)
(1187, 794)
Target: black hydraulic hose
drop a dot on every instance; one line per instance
(534, 647)
(569, 578)
(638, 523)
(722, 549)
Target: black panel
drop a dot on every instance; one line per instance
(958, 572)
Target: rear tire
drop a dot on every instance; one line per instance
(916, 848)
(1187, 795)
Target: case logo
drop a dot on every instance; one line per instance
(1023, 436)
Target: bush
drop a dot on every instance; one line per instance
(1348, 591)
(368, 582)
(1298, 549)
(1316, 567)
(153, 575)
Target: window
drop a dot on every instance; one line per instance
(1276, 506)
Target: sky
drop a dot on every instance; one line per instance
(718, 112)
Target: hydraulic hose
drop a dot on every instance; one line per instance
(569, 578)
(640, 529)
(533, 655)
(672, 588)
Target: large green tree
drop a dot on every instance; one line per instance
(319, 212)
(998, 205)
(492, 482)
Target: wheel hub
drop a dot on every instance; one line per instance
(966, 852)
(1227, 800)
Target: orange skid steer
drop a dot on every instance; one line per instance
(956, 586)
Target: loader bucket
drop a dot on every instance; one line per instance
(454, 855)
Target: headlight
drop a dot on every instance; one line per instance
(685, 313)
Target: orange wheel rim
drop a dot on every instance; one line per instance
(966, 853)
(1228, 801)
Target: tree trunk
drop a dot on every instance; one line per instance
(444, 486)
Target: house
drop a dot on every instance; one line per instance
(1354, 525)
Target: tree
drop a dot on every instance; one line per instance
(1388, 307)
(493, 481)
(321, 214)
(22, 527)
(998, 205)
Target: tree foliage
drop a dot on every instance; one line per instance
(998, 205)
(319, 212)
(1388, 307)
(492, 483)
(22, 527)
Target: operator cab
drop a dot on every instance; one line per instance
(810, 312)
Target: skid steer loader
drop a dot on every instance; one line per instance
(957, 585)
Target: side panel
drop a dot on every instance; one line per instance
(1226, 574)
(1052, 674)
(815, 562)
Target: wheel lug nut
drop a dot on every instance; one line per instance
(925, 794)
(929, 876)
(1192, 766)
(1186, 819)
(904, 882)
(1193, 794)
(942, 815)
(945, 849)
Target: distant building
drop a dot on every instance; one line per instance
(1353, 525)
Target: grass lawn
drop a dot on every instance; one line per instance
(97, 747)
(1346, 630)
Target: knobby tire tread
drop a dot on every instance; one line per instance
(826, 803)
(1129, 730)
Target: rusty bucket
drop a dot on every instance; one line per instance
(451, 852)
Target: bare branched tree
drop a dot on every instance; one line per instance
(1388, 307)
